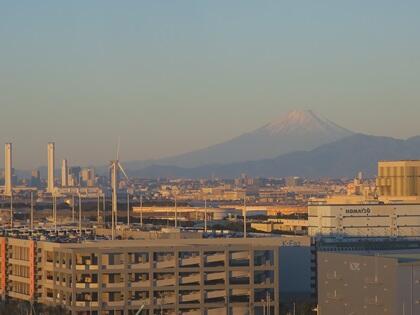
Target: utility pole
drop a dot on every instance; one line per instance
(141, 210)
(80, 214)
(11, 209)
(128, 208)
(72, 209)
(32, 210)
(176, 214)
(55, 213)
(244, 215)
(98, 214)
(205, 215)
(104, 209)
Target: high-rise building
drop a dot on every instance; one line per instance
(88, 176)
(399, 179)
(8, 169)
(35, 178)
(51, 167)
(64, 174)
(74, 176)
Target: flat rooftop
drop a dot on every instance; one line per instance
(400, 255)
(266, 241)
(72, 240)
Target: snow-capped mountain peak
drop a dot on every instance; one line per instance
(302, 121)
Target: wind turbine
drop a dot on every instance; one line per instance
(116, 167)
(140, 310)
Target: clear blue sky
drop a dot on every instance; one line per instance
(172, 76)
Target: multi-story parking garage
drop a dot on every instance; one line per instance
(186, 276)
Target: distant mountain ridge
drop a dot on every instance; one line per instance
(297, 144)
(342, 158)
(295, 131)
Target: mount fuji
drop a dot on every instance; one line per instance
(299, 130)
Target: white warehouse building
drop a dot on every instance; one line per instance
(364, 220)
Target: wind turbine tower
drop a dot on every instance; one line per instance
(114, 176)
(115, 168)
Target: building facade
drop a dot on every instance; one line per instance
(369, 283)
(364, 220)
(397, 179)
(199, 276)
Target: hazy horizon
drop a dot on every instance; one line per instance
(172, 77)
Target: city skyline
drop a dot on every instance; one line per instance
(295, 126)
(172, 78)
(209, 157)
(65, 154)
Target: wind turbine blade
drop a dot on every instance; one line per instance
(139, 311)
(122, 170)
(118, 148)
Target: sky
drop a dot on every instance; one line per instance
(172, 76)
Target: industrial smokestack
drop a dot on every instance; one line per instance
(8, 168)
(64, 174)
